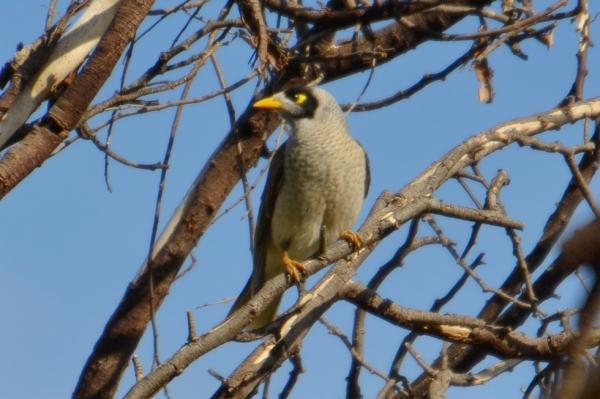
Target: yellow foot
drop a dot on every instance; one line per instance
(293, 268)
(352, 237)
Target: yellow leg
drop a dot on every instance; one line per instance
(293, 267)
(352, 237)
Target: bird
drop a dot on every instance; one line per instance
(316, 185)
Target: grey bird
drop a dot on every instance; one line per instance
(319, 177)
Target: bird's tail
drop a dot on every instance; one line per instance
(267, 316)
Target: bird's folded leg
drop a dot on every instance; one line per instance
(352, 237)
(293, 267)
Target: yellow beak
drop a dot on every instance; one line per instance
(268, 103)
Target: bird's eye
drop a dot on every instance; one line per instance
(300, 98)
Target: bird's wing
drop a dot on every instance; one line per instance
(367, 170)
(262, 235)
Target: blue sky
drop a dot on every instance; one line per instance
(70, 247)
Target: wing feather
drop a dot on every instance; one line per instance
(263, 232)
(262, 235)
(367, 170)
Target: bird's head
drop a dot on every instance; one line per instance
(304, 104)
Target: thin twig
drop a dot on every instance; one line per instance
(137, 368)
(240, 160)
(486, 288)
(362, 93)
(224, 300)
(51, 12)
(425, 80)
(338, 333)
(193, 263)
(152, 106)
(298, 369)
(119, 158)
(585, 189)
(111, 127)
(191, 326)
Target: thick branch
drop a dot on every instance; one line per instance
(499, 341)
(393, 39)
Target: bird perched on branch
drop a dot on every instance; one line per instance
(319, 177)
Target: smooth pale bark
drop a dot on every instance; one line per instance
(69, 53)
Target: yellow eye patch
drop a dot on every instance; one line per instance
(300, 98)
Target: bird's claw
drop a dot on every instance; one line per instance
(352, 237)
(293, 268)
